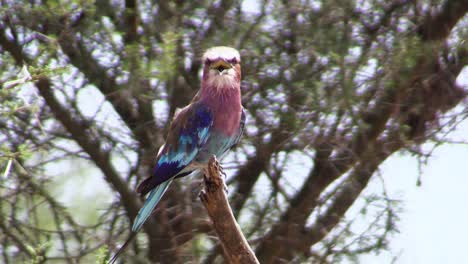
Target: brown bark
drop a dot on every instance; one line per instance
(235, 246)
(292, 229)
(90, 145)
(399, 109)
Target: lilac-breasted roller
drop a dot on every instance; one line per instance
(210, 125)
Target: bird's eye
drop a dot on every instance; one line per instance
(233, 61)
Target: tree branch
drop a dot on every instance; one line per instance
(236, 247)
(345, 198)
(328, 168)
(438, 26)
(116, 94)
(10, 46)
(90, 145)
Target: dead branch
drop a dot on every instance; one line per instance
(235, 246)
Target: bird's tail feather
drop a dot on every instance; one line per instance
(122, 248)
(153, 199)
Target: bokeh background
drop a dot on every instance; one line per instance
(354, 150)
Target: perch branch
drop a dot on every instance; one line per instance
(235, 246)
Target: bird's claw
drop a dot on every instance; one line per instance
(223, 173)
(214, 169)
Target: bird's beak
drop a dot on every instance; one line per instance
(221, 65)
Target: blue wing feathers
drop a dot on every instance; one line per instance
(189, 132)
(187, 140)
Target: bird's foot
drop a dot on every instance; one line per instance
(223, 173)
(215, 175)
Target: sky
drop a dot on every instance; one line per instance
(433, 226)
(434, 222)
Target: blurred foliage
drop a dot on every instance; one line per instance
(331, 88)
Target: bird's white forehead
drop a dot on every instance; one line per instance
(222, 52)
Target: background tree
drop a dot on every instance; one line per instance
(332, 89)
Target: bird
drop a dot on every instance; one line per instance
(210, 125)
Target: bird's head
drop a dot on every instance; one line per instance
(222, 68)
